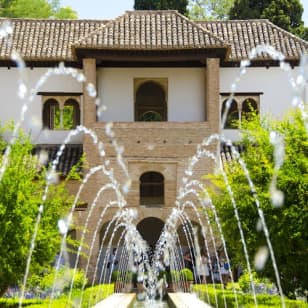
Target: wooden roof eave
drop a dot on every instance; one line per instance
(151, 54)
(260, 62)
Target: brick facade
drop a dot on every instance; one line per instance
(163, 147)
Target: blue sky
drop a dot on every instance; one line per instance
(106, 9)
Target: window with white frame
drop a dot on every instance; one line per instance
(61, 112)
(242, 105)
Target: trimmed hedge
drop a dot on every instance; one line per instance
(244, 300)
(90, 297)
(14, 302)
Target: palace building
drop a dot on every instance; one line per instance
(164, 80)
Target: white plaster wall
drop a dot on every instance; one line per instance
(11, 104)
(273, 82)
(185, 96)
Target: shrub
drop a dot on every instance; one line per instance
(261, 285)
(207, 294)
(187, 274)
(63, 281)
(90, 297)
(175, 276)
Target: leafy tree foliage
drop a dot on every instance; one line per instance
(287, 224)
(210, 9)
(286, 14)
(35, 9)
(21, 191)
(180, 5)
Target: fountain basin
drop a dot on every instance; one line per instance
(185, 300)
(116, 300)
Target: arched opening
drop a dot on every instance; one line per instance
(249, 107)
(111, 237)
(71, 114)
(150, 102)
(110, 234)
(72, 247)
(232, 116)
(51, 114)
(150, 229)
(152, 189)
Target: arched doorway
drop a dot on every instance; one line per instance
(150, 229)
(150, 103)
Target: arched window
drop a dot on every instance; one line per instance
(51, 114)
(152, 189)
(232, 116)
(150, 102)
(71, 114)
(249, 106)
(61, 113)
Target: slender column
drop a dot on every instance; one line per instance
(212, 109)
(89, 107)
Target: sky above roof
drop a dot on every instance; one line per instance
(106, 9)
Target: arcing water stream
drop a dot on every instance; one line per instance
(192, 194)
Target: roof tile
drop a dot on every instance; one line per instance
(151, 30)
(244, 35)
(52, 40)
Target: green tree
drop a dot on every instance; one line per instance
(286, 14)
(35, 9)
(180, 5)
(21, 190)
(248, 9)
(209, 9)
(287, 224)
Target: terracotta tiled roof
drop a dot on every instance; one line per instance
(151, 30)
(53, 40)
(46, 40)
(70, 156)
(243, 35)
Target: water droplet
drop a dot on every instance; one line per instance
(127, 186)
(245, 63)
(43, 157)
(61, 68)
(261, 258)
(52, 177)
(120, 150)
(259, 225)
(91, 89)
(22, 90)
(277, 198)
(80, 77)
(150, 147)
(233, 87)
(97, 101)
(296, 101)
(62, 226)
(108, 128)
(24, 108)
(300, 79)
(188, 172)
(5, 29)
